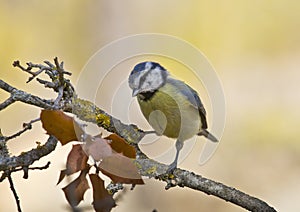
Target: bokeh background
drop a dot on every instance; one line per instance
(255, 49)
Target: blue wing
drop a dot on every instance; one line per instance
(193, 97)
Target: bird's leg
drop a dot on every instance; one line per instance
(173, 165)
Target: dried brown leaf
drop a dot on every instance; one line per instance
(75, 190)
(62, 126)
(77, 160)
(119, 145)
(102, 200)
(97, 147)
(120, 169)
(61, 176)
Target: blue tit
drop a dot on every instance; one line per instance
(170, 106)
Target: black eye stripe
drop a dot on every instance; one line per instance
(143, 78)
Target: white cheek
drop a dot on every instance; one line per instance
(156, 78)
(152, 80)
(136, 79)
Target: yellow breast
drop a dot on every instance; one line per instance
(170, 113)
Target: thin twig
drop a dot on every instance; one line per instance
(26, 126)
(41, 167)
(34, 168)
(56, 73)
(4, 174)
(31, 122)
(12, 187)
(22, 96)
(18, 133)
(27, 168)
(30, 66)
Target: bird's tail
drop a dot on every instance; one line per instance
(208, 135)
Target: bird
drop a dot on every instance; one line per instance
(170, 106)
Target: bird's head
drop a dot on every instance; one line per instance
(147, 77)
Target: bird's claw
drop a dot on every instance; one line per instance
(171, 168)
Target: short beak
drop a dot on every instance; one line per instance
(135, 92)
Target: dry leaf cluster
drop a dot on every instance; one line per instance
(111, 155)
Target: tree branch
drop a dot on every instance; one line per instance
(12, 187)
(153, 169)
(22, 96)
(184, 178)
(87, 111)
(27, 158)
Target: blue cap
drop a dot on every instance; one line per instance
(142, 66)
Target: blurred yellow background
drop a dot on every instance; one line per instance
(255, 49)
